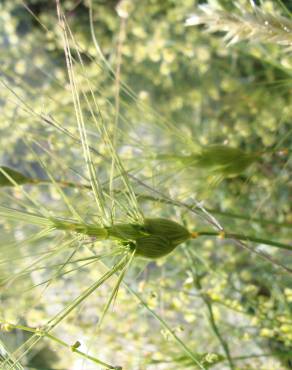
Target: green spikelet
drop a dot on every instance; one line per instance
(153, 247)
(170, 230)
(219, 160)
(163, 236)
(157, 237)
(228, 162)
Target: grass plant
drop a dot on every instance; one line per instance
(117, 249)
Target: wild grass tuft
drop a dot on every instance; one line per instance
(253, 25)
(109, 248)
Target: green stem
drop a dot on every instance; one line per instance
(219, 212)
(64, 313)
(245, 238)
(216, 331)
(80, 353)
(211, 316)
(189, 353)
(119, 231)
(88, 229)
(62, 343)
(23, 180)
(248, 218)
(284, 355)
(64, 184)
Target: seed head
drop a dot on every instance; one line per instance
(216, 159)
(162, 236)
(153, 246)
(224, 160)
(170, 230)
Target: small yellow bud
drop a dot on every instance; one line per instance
(211, 358)
(221, 235)
(76, 345)
(6, 327)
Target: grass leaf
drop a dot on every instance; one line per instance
(17, 176)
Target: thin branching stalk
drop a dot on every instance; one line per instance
(189, 353)
(9, 326)
(208, 303)
(244, 237)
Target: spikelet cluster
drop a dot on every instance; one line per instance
(256, 25)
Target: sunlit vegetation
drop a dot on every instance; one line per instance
(145, 184)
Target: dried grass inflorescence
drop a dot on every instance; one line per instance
(256, 25)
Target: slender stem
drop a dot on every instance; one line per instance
(245, 238)
(218, 212)
(104, 233)
(80, 353)
(216, 331)
(65, 312)
(82, 228)
(284, 355)
(62, 343)
(189, 353)
(211, 316)
(111, 232)
(76, 185)
(248, 218)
